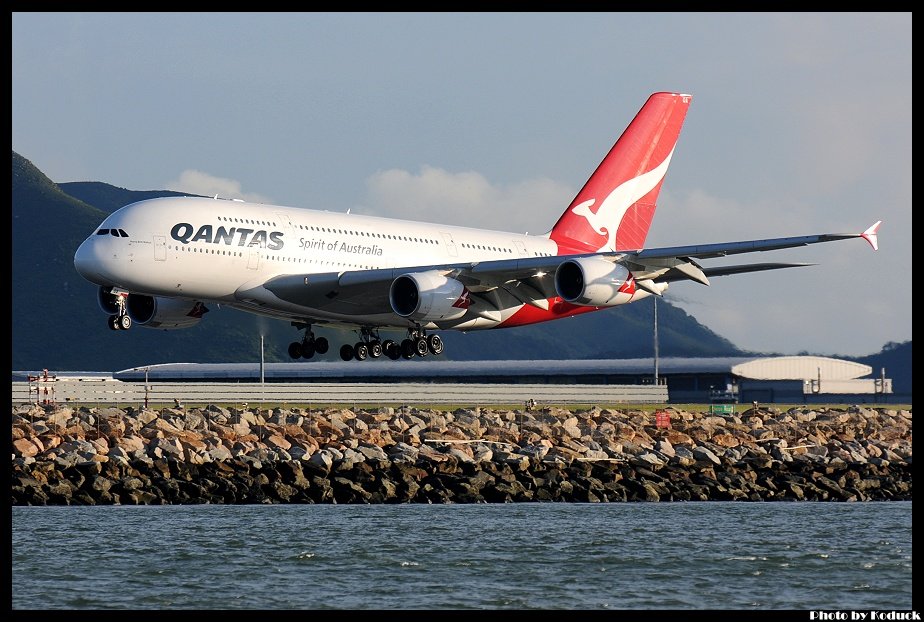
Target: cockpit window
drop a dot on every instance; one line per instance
(116, 233)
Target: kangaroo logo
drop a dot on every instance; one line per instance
(464, 301)
(198, 310)
(611, 211)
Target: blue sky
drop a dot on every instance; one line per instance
(800, 124)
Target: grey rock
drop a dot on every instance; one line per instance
(647, 459)
(322, 459)
(372, 452)
(664, 447)
(703, 454)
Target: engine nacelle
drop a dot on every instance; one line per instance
(428, 296)
(165, 313)
(594, 282)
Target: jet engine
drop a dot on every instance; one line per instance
(428, 296)
(594, 282)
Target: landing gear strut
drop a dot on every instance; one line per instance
(309, 345)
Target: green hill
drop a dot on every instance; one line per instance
(109, 198)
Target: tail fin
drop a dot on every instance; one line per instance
(613, 210)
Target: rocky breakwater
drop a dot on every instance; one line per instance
(86, 456)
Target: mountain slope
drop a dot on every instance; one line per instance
(110, 198)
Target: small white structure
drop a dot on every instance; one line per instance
(817, 375)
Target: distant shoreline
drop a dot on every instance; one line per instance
(126, 456)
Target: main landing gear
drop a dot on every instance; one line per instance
(370, 345)
(308, 346)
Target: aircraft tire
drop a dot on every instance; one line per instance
(308, 350)
(393, 351)
(295, 350)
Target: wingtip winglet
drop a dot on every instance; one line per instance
(871, 235)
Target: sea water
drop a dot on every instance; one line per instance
(677, 556)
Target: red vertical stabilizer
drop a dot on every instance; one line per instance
(614, 209)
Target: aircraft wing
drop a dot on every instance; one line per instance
(678, 262)
(531, 279)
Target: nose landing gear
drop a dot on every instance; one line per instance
(121, 320)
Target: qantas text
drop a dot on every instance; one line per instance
(271, 240)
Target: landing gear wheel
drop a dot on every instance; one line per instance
(114, 322)
(125, 322)
(295, 350)
(375, 349)
(421, 347)
(392, 350)
(435, 344)
(346, 352)
(361, 351)
(321, 345)
(307, 350)
(407, 349)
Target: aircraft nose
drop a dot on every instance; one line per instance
(86, 262)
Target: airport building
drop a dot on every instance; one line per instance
(781, 379)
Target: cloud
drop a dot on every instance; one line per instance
(198, 182)
(467, 199)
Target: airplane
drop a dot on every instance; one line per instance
(159, 262)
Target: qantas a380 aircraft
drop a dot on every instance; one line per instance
(158, 262)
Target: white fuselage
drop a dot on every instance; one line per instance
(211, 250)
